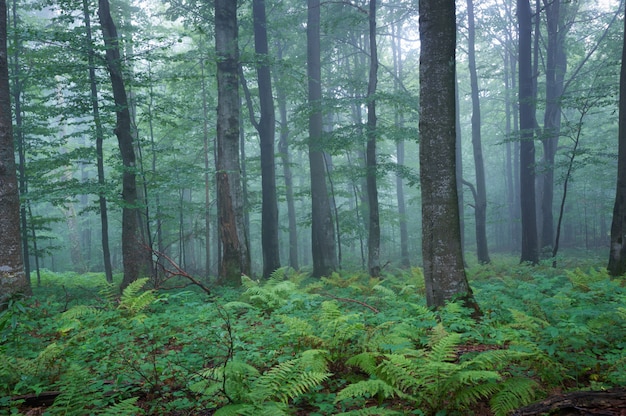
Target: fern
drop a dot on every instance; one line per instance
(134, 302)
(125, 407)
(370, 411)
(513, 393)
(372, 388)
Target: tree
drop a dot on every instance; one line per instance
(235, 255)
(444, 271)
(13, 280)
(266, 128)
(373, 241)
(617, 255)
(102, 202)
(132, 244)
(323, 246)
(530, 252)
(480, 192)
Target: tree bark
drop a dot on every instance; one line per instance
(530, 252)
(480, 206)
(617, 255)
(323, 248)
(373, 241)
(104, 218)
(13, 280)
(132, 245)
(556, 64)
(235, 256)
(266, 129)
(444, 271)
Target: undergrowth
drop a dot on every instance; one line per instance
(346, 344)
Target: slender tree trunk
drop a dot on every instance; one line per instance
(283, 149)
(373, 241)
(396, 49)
(617, 255)
(235, 256)
(132, 245)
(13, 280)
(555, 73)
(95, 111)
(323, 247)
(530, 252)
(207, 176)
(444, 271)
(480, 206)
(266, 129)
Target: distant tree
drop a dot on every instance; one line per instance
(530, 251)
(133, 250)
(617, 255)
(323, 246)
(235, 254)
(480, 191)
(444, 271)
(13, 280)
(266, 128)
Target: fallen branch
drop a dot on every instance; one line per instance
(177, 271)
(371, 308)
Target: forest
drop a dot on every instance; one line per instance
(353, 207)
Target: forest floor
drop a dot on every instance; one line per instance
(551, 341)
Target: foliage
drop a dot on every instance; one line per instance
(289, 344)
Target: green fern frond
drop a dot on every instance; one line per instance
(314, 360)
(125, 407)
(247, 282)
(524, 321)
(286, 381)
(234, 410)
(48, 357)
(495, 359)
(404, 373)
(514, 393)
(444, 349)
(474, 377)
(470, 395)
(385, 292)
(366, 361)
(109, 291)
(80, 311)
(367, 389)
(330, 311)
(138, 303)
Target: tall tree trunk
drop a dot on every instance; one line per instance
(396, 49)
(207, 176)
(555, 73)
(444, 271)
(235, 256)
(283, 149)
(530, 252)
(13, 280)
(373, 241)
(132, 245)
(19, 139)
(95, 111)
(323, 248)
(480, 206)
(617, 255)
(266, 129)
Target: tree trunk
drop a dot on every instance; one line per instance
(617, 256)
(444, 271)
(132, 245)
(373, 241)
(530, 252)
(323, 247)
(266, 129)
(480, 206)
(13, 280)
(235, 257)
(556, 64)
(283, 149)
(396, 48)
(207, 176)
(104, 218)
